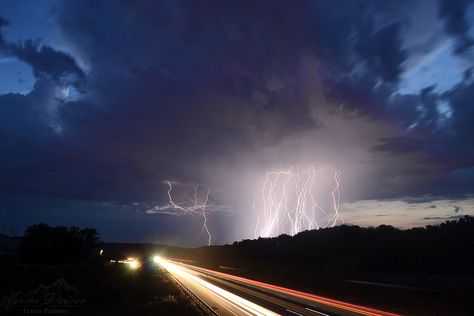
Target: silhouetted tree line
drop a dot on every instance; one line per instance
(53, 245)
(441, 249)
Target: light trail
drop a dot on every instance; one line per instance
(288, 203)
(357, 309)
(248, 308)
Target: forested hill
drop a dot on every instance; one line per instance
(446, 249)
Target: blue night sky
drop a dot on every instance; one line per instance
(103, 102)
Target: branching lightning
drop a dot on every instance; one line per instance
(289, 204)
(199, 206)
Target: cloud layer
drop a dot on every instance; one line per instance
(220, 92)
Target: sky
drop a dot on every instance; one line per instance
(104, 105)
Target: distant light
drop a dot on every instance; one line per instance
(101, 252)
(134, 264)
(156, 259)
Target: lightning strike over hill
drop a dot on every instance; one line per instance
(294, 200)
(196, 205)
(199, 206)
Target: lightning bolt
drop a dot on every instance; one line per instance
(199, 208)
(288, 204)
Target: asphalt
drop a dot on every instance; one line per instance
(228, 294)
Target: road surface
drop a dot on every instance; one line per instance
(227, 294)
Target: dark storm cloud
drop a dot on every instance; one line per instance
(454, 14)
(443, 218)
(444, 140)
(43, 59)
(399, 145)
(460, 98)
(382, 50)
(456, 208)
(218, 79)
(176, 85)
(439, 139)
(3, 23)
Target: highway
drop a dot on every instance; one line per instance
(227, 294)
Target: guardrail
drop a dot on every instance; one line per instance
(205, 308)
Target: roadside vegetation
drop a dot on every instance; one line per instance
(60, 270)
